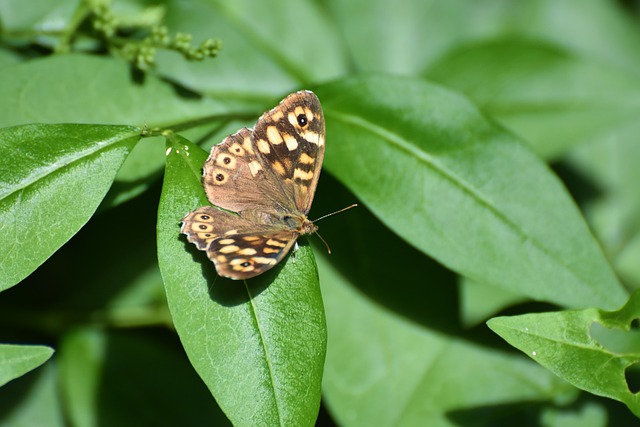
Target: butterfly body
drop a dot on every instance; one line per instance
(262, 182)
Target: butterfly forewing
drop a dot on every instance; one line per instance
(268, 177)
(290, 138)
(230, 174)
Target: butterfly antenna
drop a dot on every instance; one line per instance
(333, 213)
(323, 217)
(325, 242)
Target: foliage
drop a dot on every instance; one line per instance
(492, 148)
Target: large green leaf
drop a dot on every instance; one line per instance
(552, 97)
(270, 48)
(52, 179)
(17, 360)
(384, 370)
(65, 89)
(570, 345)
(462, 190)
(258, 345)
(405, 37)
(396, 355)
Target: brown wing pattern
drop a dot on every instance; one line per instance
(291, 139)
(238, 248)
(229, 174)
(268, 176)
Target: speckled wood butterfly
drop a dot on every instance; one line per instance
(267, 178)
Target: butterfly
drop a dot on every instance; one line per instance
(264, 180)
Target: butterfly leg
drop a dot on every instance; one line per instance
(293, 252)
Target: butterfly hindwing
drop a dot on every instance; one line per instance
(249, 254)
(231, 173)
(236, 246)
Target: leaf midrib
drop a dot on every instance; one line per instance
(263, 342)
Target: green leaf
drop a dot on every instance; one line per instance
(462, 190)
(17, 360)
(258, 345)
(404, 38)
(94, 364)
(610, 166)
(267, 51)
(32, 400)
(395, 354)
(385, 370)
(627, 263)
(552, 97)
(565, 343)
(63, 89)
(22, 17)
(53, 177)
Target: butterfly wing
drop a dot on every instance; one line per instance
(231, 174)
(289, 140)
(268, 176)
(239, 249)
(276, 166)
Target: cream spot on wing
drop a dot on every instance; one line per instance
(199, 227)
(231, 232)
(321, 140)
(309, 114)
(246, 144)
(300, 174)
(277, 115)
(237, 149)
(264, 260)
(219, 177)
(247, 251)
(279, 168)
(263, 146)
(227, 241)
(221, 259)
(293, 119)
(272, 242)
(254, 167)
(251, 238)
(270, 250)
(311, 136)
(291, 142)
(237, 261)
(306, 159)
(229, 249)
(274, 135)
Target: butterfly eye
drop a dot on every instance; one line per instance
(302, 120)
